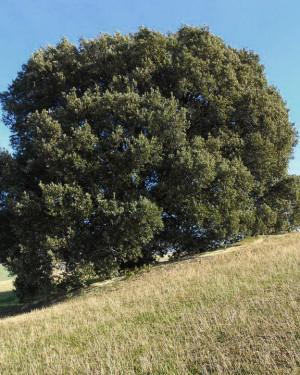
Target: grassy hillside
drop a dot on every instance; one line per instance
(4, 275)
(8, 300)
(234, 313)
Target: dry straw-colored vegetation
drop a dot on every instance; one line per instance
(235, 313)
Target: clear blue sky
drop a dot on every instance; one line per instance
(269, 27)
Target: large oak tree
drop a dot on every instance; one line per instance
(127, 146)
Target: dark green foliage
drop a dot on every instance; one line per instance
(129, 146)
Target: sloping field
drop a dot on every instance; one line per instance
(233, 313)
(8, 300)
(4, 275)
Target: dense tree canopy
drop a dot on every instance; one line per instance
(129, 146)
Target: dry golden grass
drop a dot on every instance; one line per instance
(235, 313)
